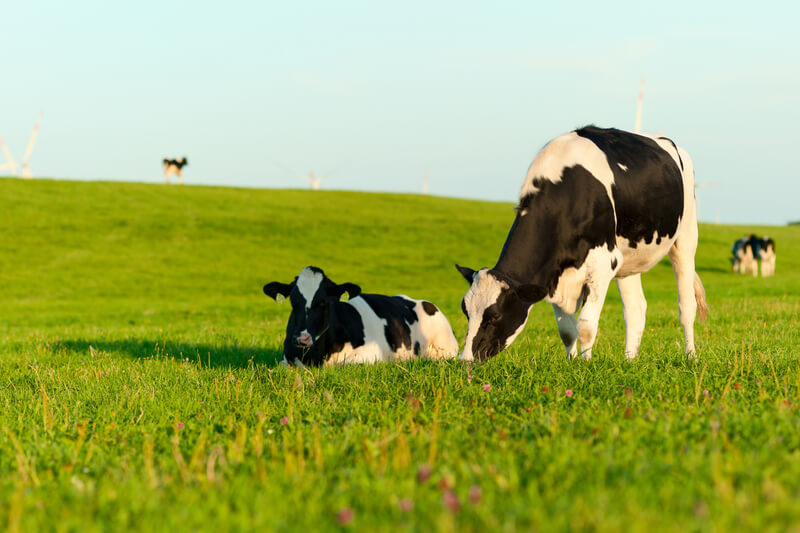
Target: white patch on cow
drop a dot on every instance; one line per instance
(308, 283)
(567, 151)
(523, 212)
(643, 256)
(623, 167)
(484, 291)
(433, 333)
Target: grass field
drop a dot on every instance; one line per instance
(140, 388)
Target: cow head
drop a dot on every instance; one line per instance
(497, 310)
(313, 297)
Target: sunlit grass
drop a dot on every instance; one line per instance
(140, 389)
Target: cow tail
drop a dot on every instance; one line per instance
(700, 296)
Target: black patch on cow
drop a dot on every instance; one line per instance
(614, 263)
(399, 315)
(677, 152)
(429, 308)
(417, 349)
(564, 221)
(648, 196)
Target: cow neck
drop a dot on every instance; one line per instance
(528, 253)
(336, 335)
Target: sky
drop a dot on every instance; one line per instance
(374, 95)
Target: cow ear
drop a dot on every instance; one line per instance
(530, 293)
(351, 289)
(276, 287)
(467, 272)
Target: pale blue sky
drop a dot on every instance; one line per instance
(380, 93)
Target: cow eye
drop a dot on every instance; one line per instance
(494, 318)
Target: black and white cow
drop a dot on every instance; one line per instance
(768, 257)
(365, 329)
(750, 252)
(174, 166)
(596, 204)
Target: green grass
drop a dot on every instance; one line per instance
(140, 391)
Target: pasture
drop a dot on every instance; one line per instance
(140, 389)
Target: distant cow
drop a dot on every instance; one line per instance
(748, 252)
(768, 257)
(174, 166)
(596, 204)
(365, 329)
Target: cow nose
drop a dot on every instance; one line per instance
(304, 339)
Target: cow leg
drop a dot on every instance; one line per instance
(567, 330)
(682, 256)
(634, 309)
(590, 316)
(180, 178)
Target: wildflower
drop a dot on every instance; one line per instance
(423, 473)
(568, 392)
(487, 387)
(475, 494)
(470, 377)
(706, 393)
(545, 389)
(344, 516)
(450, 500)
(284, 420)
(179, 425)
(406, 505)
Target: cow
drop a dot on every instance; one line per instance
(746, 253)
(367, 328)
(750, 252)
(596, 204)
(768, 257)
(174, 166)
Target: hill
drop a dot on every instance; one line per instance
(140, 388)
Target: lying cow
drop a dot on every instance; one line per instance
(365, 329)
(174, 166)
(596, 205)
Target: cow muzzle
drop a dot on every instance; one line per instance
(304, 339)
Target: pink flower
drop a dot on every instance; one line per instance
(179, 425)
(406, 505)
(344, 516)
(568, 392)
(424, 473)
(487, 387)
(450, 500)
(284, 420)
(475, 494)
(706, 393)
(470, 377)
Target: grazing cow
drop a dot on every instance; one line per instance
(750, 252)
(365, 329)
(596, 204)
(746, 254)
(174, 166)
(768, 257)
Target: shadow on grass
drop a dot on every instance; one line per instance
(205, 355)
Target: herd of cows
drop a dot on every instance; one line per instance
(596, 205)
(750, 252)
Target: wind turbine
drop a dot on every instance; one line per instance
(25, 165)
(425, 182)
(312, 179)
(637, 126)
